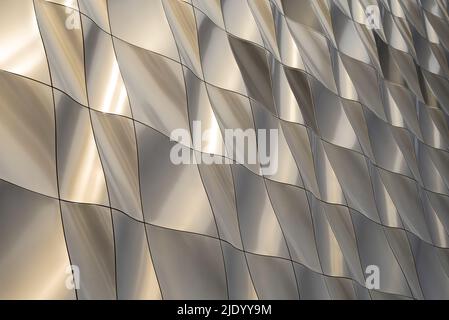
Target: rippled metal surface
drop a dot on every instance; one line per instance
(90, 92)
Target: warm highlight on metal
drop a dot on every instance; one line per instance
(90, 91)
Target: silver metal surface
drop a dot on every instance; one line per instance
(92, 207)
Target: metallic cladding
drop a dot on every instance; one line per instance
(90, 92)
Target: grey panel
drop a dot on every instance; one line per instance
(64, 48)
(165, 202)
(33, 254)
(136, 276)
(96, 97)
(240, 283)
(90, 241)
(292, 208)
(155, 87)
(312, 286)
(80, 171)
(27, 139)
(261, 232)
(118, 151)
(274, 278)
(188, 265)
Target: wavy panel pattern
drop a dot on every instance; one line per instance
(91, 90)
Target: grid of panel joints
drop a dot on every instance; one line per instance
(317, 181)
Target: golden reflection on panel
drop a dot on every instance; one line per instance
(93, 204)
